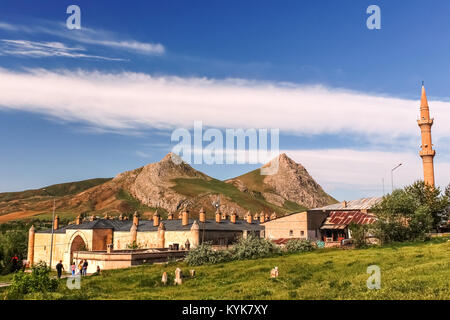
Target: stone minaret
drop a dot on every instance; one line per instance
(427, 153)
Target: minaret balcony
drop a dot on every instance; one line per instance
(422, 122)
(427, 153)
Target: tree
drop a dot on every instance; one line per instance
(13, 249)
(436, 203)
(410, 213)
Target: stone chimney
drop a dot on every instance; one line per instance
(170, 216)
(185, 217)
(135, 219)
(202, 215)
(195, 232)
(217, 216)
(161, 235)
(92, 218)
(78, 220)
(133, 232)
(233, 216)
(344, 204)
(224, 216)
(121, 217)
(262, 218)
(256, 216)
(31, 235)
(56, 223)
(267, 217)
(249, 217)
(156, 218)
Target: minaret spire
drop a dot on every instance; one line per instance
(427, 153)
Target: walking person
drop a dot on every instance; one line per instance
(85, 265)
(59, 269)
(73, 268)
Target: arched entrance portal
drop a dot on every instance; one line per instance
(78, 244)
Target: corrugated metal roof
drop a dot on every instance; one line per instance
(341, 219)
(359, 204)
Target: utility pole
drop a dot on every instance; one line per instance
(392, 175)
(53, 227)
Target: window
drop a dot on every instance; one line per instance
(291, 233)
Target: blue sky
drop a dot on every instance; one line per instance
(348, 96)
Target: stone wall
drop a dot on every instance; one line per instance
(291, 226)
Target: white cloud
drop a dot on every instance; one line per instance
(126, 101)
(340, 169)
(37, 49)
(87, 36)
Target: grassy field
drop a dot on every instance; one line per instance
(408, 271)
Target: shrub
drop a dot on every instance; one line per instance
(252, 248)
(37, 281)
(359, 234)
(133, 246)
(297, 245)
(204, 254)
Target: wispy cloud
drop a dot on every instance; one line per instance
(87, 36)
(129, 101)
(36, 49)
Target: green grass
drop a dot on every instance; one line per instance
(249, 200)
(59, 190)
(408, 271)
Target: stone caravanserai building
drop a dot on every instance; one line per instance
(118, 242)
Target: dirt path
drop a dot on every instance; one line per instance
(18, 215)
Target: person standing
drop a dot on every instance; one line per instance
(73, 268)
(59, 269)
(85, 265)
(80, 268)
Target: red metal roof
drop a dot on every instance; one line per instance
(341, 219)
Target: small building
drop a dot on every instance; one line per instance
(339, 216)
(320, 223)
(335, 228)
(117, 243)
(299, 225)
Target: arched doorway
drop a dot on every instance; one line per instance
(78, 244)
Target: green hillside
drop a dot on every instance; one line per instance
(59, 190)
(252, 201)
(408, 271)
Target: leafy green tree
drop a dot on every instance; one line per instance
(13, 244)
(435, 201)
(410, 213)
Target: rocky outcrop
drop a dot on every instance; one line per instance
(291, 182)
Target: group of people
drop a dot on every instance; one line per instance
(81, 269)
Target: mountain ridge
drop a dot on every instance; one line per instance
(171, 185)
